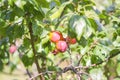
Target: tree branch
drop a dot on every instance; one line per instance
(33, 48)
(49, 72)
(93, 45)
(93, 65)
(28, 73)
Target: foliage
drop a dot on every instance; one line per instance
(27, 24)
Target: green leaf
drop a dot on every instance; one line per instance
(95, 59)
(93, 24)
(18, 31)
(59, 11)
(32, 8)
(3, 31)
(118, 31)
(97, 74)
(118, 69)
(115, 51)
(101, 52)
(43, 3)
(19, 3)
(2, 23)
(26, 43)
(37, 30)
(27, 61)
(77, 24)
(52, 68)
(1, 65)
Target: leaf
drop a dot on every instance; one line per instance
(52, 68)
(77, 24)
(115, 51)
(81, 25)
(1, 65)
(2, 23)
(88, 31)
(32, 8)
(19, 3)
(18, 31)
(3, 31)
(118, 31)
(97, 74)
(93, 24)
(101, 52)
(27, 61)
(59, 11)
(95, 59)
(43, 3)
(26, 43)
(37, 30)
(100, 26)
(118, 69)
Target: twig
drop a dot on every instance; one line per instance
(75, 69)
(78, 76)
(93, 65)
(69, 51)
(47, 72)
(91, 47)
(80, 60)
(28, 73)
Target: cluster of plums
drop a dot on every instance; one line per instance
(60, 42)
(56, 37)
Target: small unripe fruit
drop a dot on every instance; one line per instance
(55, 51)
(61, 46)
(55, 36)
(70, 40)
(12, 48)
(73, 41)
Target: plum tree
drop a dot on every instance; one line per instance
(45, 26)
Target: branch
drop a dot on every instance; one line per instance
(93, 65)
(47, 72)
(80, 60)
(33, 48)
(93, 45)
(28, 73)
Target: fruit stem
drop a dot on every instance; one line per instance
(69, 51)
(34, 51)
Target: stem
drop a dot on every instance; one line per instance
(69, 51)
(80, 60)
(28, 73)
(34, 51)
